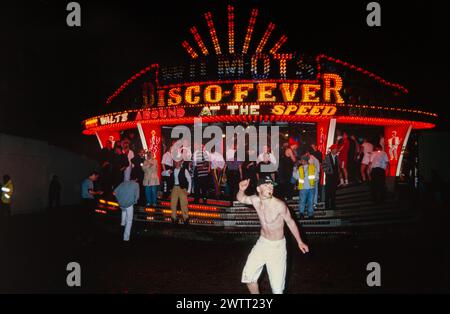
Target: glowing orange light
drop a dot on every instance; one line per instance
(250, 27)
(278, 45)
(265, 37)
(330, 78)
(265, 91)
(189, 49)
(212, 32)
(230, 29)
(199, 40)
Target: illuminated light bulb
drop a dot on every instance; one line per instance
(230, 29)
(212, 32)
(189, 49)
(278, 45)
(250, 28)
(265, 37)
(199, 40)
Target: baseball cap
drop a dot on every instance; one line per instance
(266, 180)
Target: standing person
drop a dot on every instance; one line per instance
(270, 249)
(119, 164)
(54, 193)
(106, 159)
(366, 150)
(306, 177)
(130, 155)
(393, 143)
(343, 158)
(267, 155)
(379, 162)
(331, 169)
(127, 195)
(138, 173)
(167, 167)
(217, 167)
(233, 170)
(287, 162)
(264, 159)
(181, 181)
(316, 152)
(88, 195)
(201, 174)
(135, 143)
(151, 179)
(381, 141)
(7, 193)
(312, 160)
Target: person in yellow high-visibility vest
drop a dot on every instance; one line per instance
(7, 192)
(306, 177)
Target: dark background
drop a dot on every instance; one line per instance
(53, 76)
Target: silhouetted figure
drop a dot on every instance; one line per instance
(331, 169)
(138, 173)
(119, 164)
(105, 159)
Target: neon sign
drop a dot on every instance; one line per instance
(187, 94)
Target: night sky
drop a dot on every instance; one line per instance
(52, 76)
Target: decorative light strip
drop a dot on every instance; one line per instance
(279, 43)
(265, 37)
(212, 31)
(189, 49)
(230, 29)
(194, 206)
(192, 213)
(199, 40)
(108, 202)
(131, 80)
(285, 118)
(250, 28)
(361, 70)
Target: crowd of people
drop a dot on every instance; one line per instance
(205, 174)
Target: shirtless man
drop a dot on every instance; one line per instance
(270, 249)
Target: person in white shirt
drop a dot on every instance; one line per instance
(184, 152)
(217, 170)
(266, 155)
(393, 143)
(366, 150)
(378, 165)
(181, 182)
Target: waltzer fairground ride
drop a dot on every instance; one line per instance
(248, 80)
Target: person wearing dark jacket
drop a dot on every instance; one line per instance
(331, 169)
(181, 183)
(138, 173)
(119, 164)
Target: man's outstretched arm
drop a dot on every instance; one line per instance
(241, 197)
(294, 229)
